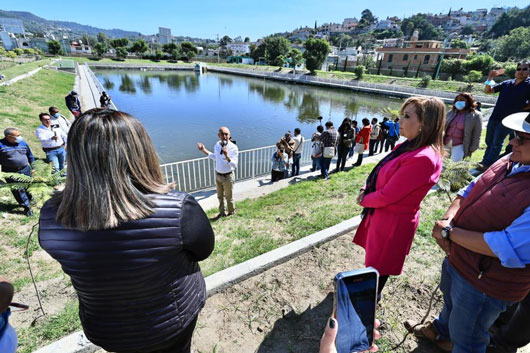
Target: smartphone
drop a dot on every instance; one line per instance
(354, 308)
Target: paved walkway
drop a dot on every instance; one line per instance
(254, 188)
(21, 77)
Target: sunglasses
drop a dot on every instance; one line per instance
(521, 139)
(522, 69)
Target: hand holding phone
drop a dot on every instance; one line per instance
(354, 308)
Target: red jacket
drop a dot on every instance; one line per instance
(401, 185)
(365, 135)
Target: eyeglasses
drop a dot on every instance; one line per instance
(522, 69)
(521, 139)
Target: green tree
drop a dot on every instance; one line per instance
(175, 54)
(225, 40)
(480, 62)
(510, 20)
(359, 71)
(189, 51)
(121, 52)
(18, 51)
(475, 76)
(515, 45)
(89, 40)
(11, 54)
(119, 42)
(467, 29)
(102, 38)
(139, 46)
(452, 67)
(342, 40)
(258, 52)
(277, 49)
(419, 22)
(29, 51)
(2, 51)
(159, 54)
(54, 47)
(100, 49)
(296, 57)
(169, 47)
(367, 18)
(316, 53)
(459, 43)
(247, 40)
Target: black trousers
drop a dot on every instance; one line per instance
(277, 175)
(390, 143)
(342, 155)
(372, 147)
(179, 344)
(513, 327)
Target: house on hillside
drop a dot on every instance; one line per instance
(238, 48)
(80, 48)
(415, 54)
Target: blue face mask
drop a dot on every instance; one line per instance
(57, 115)
(460, 105)
(19, 139)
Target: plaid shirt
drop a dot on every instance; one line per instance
(329, 137)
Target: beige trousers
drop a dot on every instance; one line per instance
(225, 184)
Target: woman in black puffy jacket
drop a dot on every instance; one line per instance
(130, 244)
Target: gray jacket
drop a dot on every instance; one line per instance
(472, 130)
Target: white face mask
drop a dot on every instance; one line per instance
(19, 139)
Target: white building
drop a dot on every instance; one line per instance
(350, 23)
(164, 35)
(238, 48)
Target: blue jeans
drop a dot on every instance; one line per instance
(22, 196)
(467, 314)
(296, 164)
(315, 164)
(57, 157)
(324, 166)
(495, 135)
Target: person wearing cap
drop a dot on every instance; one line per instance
(73, 103)
(485, 233)
(513, 97)
(225, 154)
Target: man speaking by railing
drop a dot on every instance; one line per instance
(225, 156)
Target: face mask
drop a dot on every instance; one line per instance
(19, 139)
(460, 105)
(57, 115)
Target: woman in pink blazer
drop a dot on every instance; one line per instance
(396, 186)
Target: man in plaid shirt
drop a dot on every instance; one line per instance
(328, 138)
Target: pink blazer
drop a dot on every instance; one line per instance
(401, 185)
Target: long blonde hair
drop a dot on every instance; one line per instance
(431, 113)
(112, 166)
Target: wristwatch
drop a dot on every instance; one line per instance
(446, 232)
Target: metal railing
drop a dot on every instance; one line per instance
(197, 174)
(99, 88)
(381, 87)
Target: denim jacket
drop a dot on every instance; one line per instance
(278, 163)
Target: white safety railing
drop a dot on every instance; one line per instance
(197, 174)
(99, 88)
(413, 91)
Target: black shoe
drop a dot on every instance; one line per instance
(28, 212)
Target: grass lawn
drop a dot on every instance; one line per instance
(260, 225)
(19, 69)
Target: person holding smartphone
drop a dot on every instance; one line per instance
(53, 140)
(396, 186)
(513, 98)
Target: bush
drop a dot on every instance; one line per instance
(509, 70)
(475, 76)
(359, 71)
(425, 81)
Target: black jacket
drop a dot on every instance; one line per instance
(139, 285)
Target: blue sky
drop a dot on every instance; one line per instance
(207, 18)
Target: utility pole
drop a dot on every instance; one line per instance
(218, 48)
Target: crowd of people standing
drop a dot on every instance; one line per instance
(154, 236)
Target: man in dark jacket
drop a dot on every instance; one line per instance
(16, 157)
(73, 103)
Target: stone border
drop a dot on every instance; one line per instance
(78, 343)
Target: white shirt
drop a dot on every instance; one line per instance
(62, 121)
(221, 164)
(298, 144)
(45, 135)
